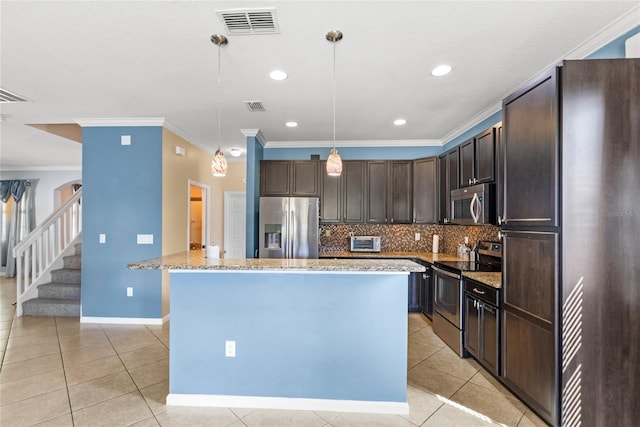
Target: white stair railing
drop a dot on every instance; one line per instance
(36, 254)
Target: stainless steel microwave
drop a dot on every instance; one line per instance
(365, 244)
(473, 205)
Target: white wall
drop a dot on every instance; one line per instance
(46, 183)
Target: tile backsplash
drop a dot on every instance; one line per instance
(401, 237)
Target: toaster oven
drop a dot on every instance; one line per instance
(365, 244)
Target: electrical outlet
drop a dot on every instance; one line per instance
(327, 233)
(229, 349)
(129, 291)
(417, 237)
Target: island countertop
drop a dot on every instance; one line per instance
(195, 260)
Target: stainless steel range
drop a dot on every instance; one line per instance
(448, 321)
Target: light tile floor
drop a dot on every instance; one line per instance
(59, 372)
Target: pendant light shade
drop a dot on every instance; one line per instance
(219, 163)
(334, 161)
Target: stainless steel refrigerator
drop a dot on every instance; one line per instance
(288, 227)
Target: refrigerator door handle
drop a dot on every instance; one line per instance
(475, 208)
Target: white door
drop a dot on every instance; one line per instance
(234, 224)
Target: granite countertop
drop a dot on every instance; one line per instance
(195, 260)
(424, 256)
(493, 279)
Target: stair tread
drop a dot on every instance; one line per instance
(52, 301)
(61, 284)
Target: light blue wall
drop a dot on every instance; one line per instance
(473, 131)
(353, 153)
(255, 153)
(319, 336)
(122, 197)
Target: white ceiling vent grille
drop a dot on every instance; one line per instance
(254, 106)
(6, 96)
(249, 21)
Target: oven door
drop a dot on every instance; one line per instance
(448, 295)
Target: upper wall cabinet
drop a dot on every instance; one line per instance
(400, 195)
(448, 180)
(330, 195)
(299, 178)
(353, 191)
(477, 159)
(376, 192)
(425, 190)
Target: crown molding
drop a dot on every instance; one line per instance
(122, 121)
(256, 134)
(478, 118)
(617, 28)
(362, 144)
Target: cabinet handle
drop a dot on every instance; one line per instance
(478, 291)
(499, 220)
(502, 234)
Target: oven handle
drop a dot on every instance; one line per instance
(446, 273)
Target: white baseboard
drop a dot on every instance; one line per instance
(225, 401)
(122, 320)
(165, 318)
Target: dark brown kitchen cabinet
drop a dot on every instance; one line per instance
(531, 160)
(275, 178)
(400, 194)
(477, 157)
(330, 196)
(481, 328)
(529, 320)
(425, 290)
(425, 190)
(376, 192)
(298, 178)
(448, 180)
(499, 175)
(304, 178)
(353, 191)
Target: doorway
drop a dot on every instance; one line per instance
(235, 203)
(198, 215)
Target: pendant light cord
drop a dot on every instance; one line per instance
(219, 97)
(334, 95)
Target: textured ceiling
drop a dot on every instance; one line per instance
(146, 59)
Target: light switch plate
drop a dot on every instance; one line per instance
(102, 238)
(125, 140)
(229, 349)
(129, 291)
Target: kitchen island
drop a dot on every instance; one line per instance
(321, 334)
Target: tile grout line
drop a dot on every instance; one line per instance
(64, 371)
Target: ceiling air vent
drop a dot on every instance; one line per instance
(250, 21)
(254, 105)
(6, 96)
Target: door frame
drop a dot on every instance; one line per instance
(206, 211)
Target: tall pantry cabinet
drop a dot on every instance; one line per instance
(570, 221)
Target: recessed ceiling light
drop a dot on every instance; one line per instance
(441, 70)
(399, 122)
(278, 75)
(235, 152)
(291, 124)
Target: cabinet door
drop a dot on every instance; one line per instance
(499, 175)
(472, 326)
(529, 271)
(467, 163)
(275, 177)
(353, 190)
(425, 180)
(376, 194)
(443, 190)
(400, 209)
(448, 181)
(330, 197)
(490, 333)
(304, 178)
(485, 156)
(528, 363)
(415, 282)
(530, 119)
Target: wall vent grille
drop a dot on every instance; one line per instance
(6, 96)
(254, 106)
(249, 21)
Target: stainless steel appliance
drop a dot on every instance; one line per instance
(288, 227)
(448, 320)
(365, 244)
(473, 205)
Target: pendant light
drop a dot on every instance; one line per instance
(219, 163)
(334, 162)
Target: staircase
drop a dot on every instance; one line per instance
(60, 297)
